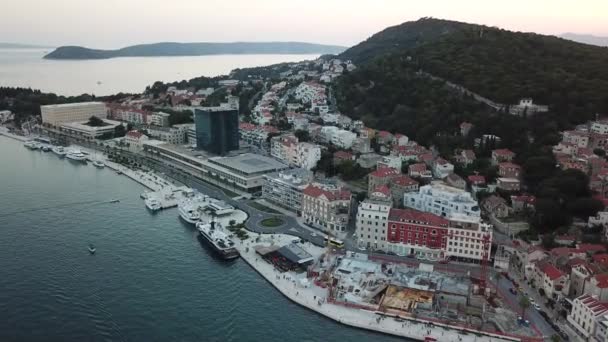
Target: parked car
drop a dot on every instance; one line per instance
(537, 307)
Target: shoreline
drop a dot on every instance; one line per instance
(308, 297)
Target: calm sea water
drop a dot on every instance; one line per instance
(26, 68)
(151, 279)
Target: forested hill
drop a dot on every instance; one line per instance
(401, 37)
(194, 49)
(501, 65)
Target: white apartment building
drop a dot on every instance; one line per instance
(468, 238)
(159, 119)
(72, 112)
(307, 92)
(443, 200)
(136, 139)
(339, 137)
(301, 154)
(326, 207)
(175, 135)
(599, 127)
(586, 312)
(371, 224)
(285, 188)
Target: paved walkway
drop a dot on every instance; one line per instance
(313, 298)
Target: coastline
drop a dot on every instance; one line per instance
(308, 296)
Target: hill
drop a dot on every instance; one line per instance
(586, 39)
(193, 49)
(501, 65)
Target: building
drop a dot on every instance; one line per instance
(468, 239)
(135, 138)
(586, 312)
(326, 207)
(244, 173)
(399, 185)
(527, 107)
(441, 199)
(285, 188)
(83, 130)
(508, 184)
(417, 170)
(509, 170)
(465, 128)
(175, 135)
(547, 277)
(502, 155)
(442, 168)
(159, 119)
(372, 220)
(288, 149)
(456, 181)
(72, 112)
(496, 206)
(382, 176)
(599, 127)
(217, 129)
(5, 115)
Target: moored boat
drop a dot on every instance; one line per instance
(98, 164)
(213, 233)
(153, 204)
(59, 150)
(76, 155)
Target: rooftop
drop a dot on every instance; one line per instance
(249, 163)
(77, 104)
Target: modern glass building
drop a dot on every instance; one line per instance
(217, 129)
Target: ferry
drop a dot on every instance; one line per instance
(98, 164)
(153, 204)
(218, 239)
(60, 151)
(76, 155)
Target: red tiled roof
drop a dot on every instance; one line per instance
(383, 189)
(419, 167)
(404, 180)
(426, 157)
(602, 280)
(384, 134)
(551, 271)
(590, 247)
(404, 215)
(529, 199)
(134, 134)
(314, 191)
(507, 165)
(503, 152)
(441, 161)
(477, 179)
(384, 172)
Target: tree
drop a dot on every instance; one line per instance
(302, 135)
(95, 121)
(600, 152)
(524, 304)
(119, 131)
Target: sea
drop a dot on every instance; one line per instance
(27, 68)
(151, 278)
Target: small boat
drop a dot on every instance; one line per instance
(60, 151)
(32, 145)
(153, 204)
(92, 249)
(98, 164)
(118, 172)
(115, 201)
(45, 148)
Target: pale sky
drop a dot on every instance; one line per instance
(118, 23)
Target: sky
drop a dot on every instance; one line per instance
(119, 23)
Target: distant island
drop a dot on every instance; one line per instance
(586, 39)
(23, 46)
(194, 49)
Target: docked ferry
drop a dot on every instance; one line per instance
(218, 239)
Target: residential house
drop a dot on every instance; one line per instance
(509, 170)
(443, 200)
(522, 203)
(385, 137)
(135, 138)
(456, 181)
(418, 170)
(502, 155)
(401, 184)
(442, 168)
(401, 140)
(496, 206)
(465, 128)
(586, 312)
(465, 157)
(508, 184)
(381, 176)
(549, 278)
(341, 156)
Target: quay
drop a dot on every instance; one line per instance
(306, 294)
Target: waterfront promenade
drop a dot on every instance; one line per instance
(314, 298)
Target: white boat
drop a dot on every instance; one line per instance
(76, 155)
(218, 239)
(189, 211)
(45, 148)
(32, 145)
(60, 151)
(98, 164)
(153, 204)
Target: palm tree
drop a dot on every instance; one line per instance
(524, 303)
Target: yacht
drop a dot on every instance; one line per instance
(76, 155)
(98, 164)
(189, 211)
(32, 145)
(153, 204)
(218, 238)
(60, 151)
